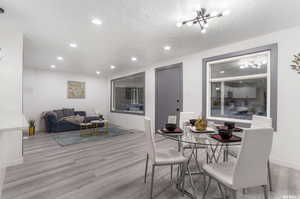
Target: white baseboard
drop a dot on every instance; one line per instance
(14, 162)
(285, 163)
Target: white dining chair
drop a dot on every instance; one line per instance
(161, 157)
(250, 168)
(257, 122)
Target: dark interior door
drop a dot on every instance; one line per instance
(168, 93)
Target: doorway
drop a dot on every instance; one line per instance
(168, 93)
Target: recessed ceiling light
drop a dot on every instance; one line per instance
(167, 48)
(73, 45)
(53, 66)
(222, 72)
(98, 72)
(96, 21)
(60, 58)
(112, 67)
(264, 62)
(133, 59)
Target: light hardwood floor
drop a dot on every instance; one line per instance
(110, 169)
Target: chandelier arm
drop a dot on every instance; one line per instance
(190, 20)
(200, 24)
(202, 16)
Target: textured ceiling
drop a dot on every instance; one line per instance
(133, 28)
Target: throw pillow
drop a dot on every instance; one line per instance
(59, 113)
(68, 112)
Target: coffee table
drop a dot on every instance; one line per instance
(96, 125)
(84, 126)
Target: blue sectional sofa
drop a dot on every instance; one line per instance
(54, 123)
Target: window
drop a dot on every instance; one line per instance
(128, 94)
(239, 85)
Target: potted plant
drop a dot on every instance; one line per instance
(31, 127)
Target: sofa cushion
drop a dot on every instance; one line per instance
(68, 112)
(81, 113)
(51, 113)
(91, 118)
(59, 114)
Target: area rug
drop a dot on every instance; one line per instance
(76, 137)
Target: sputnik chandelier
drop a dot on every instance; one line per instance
(202, 18)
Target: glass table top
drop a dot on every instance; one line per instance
(198, 138)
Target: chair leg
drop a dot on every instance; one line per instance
(204, 181)
(234, 194)
(178, 172)
(191, 180)
(146, 168)
(221, 191)
(183, 169)
(171, 173)
(206, 189)
(244, 191)
(207, 157)
(270, 177)
(152, 181)
(265, 191)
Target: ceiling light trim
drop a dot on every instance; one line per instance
(97, 21)
(134, 59)
(73, 45)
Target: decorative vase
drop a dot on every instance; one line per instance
(31, 127)
(31, 131)
(201, 124)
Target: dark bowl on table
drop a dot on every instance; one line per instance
(225, 134)
(230, 125)
(193, 121)
(170, 127)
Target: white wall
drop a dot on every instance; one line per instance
(46, 90)
(11, 66)
(286, 149)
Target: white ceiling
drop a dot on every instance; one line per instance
(133, 28)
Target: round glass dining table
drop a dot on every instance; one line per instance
(208, 140)
(193, 139)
